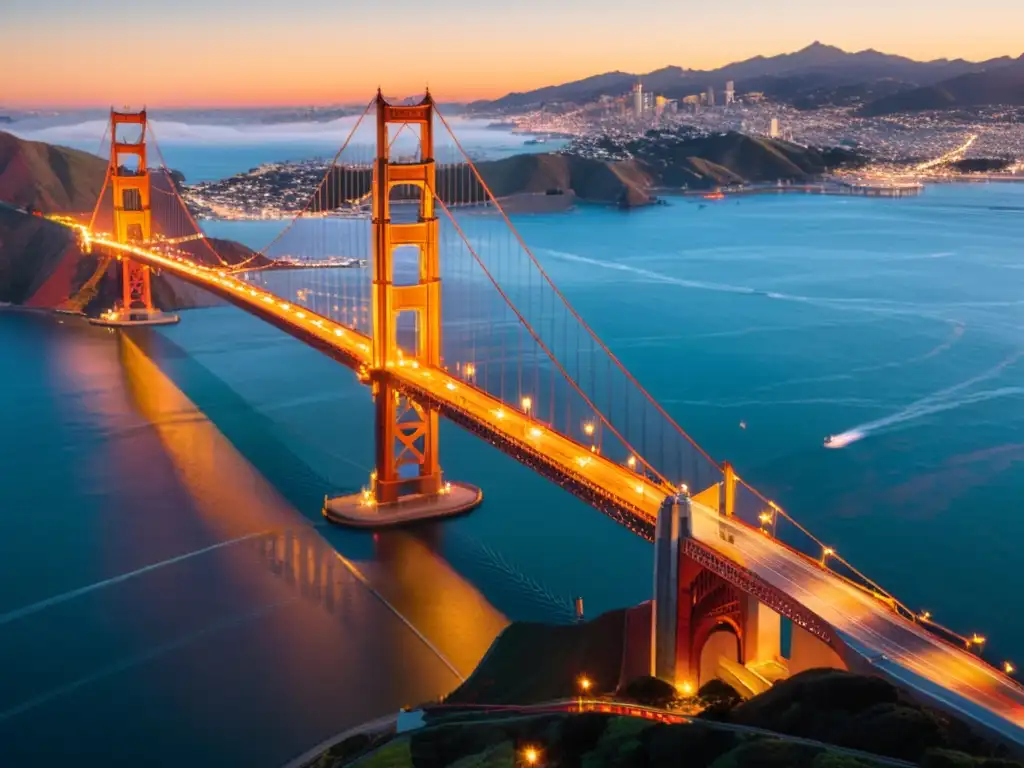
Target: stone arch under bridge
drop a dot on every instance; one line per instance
(713, 618)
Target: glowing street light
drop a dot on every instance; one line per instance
(926, 615)
(531, 755)
(1008, 667)
(584, 683)
(470, 370)
(826, 553)
(976, 639)
(527, 404)
(588, 428)
(686, 688)
(631, 462)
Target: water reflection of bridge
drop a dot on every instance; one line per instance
(405, 573)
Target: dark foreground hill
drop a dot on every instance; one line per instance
(532, 663)
(41, 264)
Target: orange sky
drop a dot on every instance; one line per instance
(233, 52)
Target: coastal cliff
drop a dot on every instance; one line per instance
(47, 177)
(41, 263)
(522, 698)
(626, 172)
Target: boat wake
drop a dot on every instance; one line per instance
(943, 400)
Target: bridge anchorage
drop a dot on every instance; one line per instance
(133, 224)
(714, 618)
(407, 484)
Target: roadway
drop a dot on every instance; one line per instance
(950, 676)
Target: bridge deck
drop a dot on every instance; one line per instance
(892, 645)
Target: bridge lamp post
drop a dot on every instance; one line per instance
(826, 553)
(1008, 667)
(584, 683)
(531, 756)
(976, 641)
(527, 404)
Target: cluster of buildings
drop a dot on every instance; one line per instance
(646, 104)
(893, 140)
(270, 191)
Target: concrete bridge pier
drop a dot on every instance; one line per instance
(705, 627)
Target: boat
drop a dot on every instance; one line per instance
(714, 196)
(538, 140)
(829, 440)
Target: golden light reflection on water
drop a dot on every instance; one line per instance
(233, 499)
(413, 575)
(231, 496)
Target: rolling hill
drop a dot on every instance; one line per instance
(1002, 85)
(47, 177)
(809, 77)
(41, 264)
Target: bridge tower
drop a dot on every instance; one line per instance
(133, 222)
(407, 483)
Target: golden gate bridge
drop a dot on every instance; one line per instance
(456, 318)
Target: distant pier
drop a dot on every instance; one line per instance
(831, 187)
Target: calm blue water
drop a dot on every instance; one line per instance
(800, 316)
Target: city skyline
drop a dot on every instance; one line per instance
(267, 54)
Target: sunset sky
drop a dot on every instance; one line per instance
(267, 52)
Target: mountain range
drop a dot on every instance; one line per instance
(815, 76)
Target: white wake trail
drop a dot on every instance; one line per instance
(936, 402)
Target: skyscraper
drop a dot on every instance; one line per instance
(638, 99)
(711, 96)
(730, 92)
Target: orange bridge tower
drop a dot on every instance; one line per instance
(133, 221)
(407, 483)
